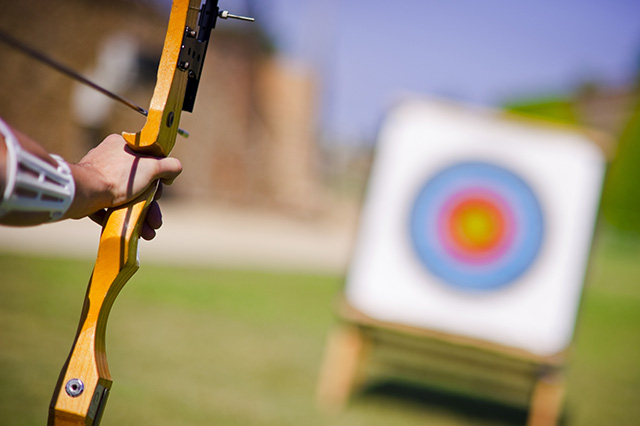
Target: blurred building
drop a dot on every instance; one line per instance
(252, 131)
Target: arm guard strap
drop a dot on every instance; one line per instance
(32, 184)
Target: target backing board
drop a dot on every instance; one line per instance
(477, 225)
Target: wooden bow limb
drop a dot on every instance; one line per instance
(83, 387)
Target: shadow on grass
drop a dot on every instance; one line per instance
(430, 399)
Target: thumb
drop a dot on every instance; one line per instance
(167, 169)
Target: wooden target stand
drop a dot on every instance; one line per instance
(359, 345)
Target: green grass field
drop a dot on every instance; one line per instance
(198, 346)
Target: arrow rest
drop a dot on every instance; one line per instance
(194, 47)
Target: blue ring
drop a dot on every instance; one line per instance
(520, 199)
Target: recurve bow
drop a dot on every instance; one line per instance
(84, 383)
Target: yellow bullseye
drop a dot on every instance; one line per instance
(476, 225)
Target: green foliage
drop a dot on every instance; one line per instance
(199, 346)
(553, 109)
(621, 198)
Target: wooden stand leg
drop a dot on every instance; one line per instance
(547, 400)
(344, 355)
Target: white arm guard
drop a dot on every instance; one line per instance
(32, 184)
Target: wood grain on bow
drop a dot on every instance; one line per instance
(84, 383)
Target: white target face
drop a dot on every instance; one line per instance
(477, 226)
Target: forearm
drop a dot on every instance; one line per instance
(109, 175)
(23, 161)
(91, 191)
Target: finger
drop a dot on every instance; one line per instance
(154, 216)
(147, 232)
(159, 190)
(168, 169)
(99, 216)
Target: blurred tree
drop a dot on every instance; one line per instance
(621, 198)
(556, 109)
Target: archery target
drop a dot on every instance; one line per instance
(476, 225)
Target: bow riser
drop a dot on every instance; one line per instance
(85, 381)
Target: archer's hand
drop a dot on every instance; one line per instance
(112, 174)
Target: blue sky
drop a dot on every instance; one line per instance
(367, 52)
